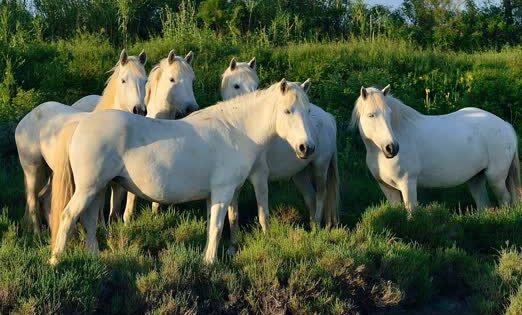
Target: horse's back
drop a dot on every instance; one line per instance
(454, 147)
(87, 103)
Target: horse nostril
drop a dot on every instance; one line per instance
(389, 148)
(302, 148)
(135, 110)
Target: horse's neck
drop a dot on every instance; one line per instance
(403, 116)
(108, 98)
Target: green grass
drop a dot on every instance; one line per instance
(384, 264)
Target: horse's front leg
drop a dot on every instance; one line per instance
(392, 195)
(220, 200)
(408, 189)
(117, 195)
(259, 179)
(233, 214)
(303, 182)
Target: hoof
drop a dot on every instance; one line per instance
(53, 261)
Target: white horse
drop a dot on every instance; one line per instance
(169, 92)
(208, 154)
(316, 177)
(239, 78)
(171, 80)
(469, 145)
(36, 133)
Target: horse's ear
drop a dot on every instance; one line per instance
(252, 63)
(189, 57)
(364, 93)
(143, 57)
(386, 90)
(233, 64)
(306, 85)
(171, 57)
(124, 57)
(283, 85)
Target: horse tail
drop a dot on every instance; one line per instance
(62, 187)
(331, 205)
(513, 179)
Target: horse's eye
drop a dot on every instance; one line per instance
(287, 111)
(371, 115)
(123, 81)
(236, 86)
(171, 79)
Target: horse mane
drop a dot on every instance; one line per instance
(242, 70)
(401, 112)
(107, 98)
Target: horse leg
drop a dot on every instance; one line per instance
(44, 201)
(34, 183)
(221, 199)
(89, 219)
(129, 207)
(259, 180)
(479, 192)
(117, 195)
(498, 183)
(408, 189)
(303, 182)
(233, 221)
(155, 208)
(392, 195)
(320, 184)
(79, 202)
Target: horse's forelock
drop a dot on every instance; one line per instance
(364, 103)
(135, 67)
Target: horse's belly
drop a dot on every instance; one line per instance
(282, 161)
(452, 171)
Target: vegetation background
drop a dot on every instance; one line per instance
(439, 56)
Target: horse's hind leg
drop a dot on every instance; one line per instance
(79, 202)
(479, 192)
(303, 182)
(34, 182)
(497, 181)
(89, 221)
(129, 207)
(155, 208)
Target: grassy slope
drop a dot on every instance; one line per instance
(378, 262)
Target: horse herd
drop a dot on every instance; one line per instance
(70, 155)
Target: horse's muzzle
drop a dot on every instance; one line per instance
(304, 150)
(390, 150)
